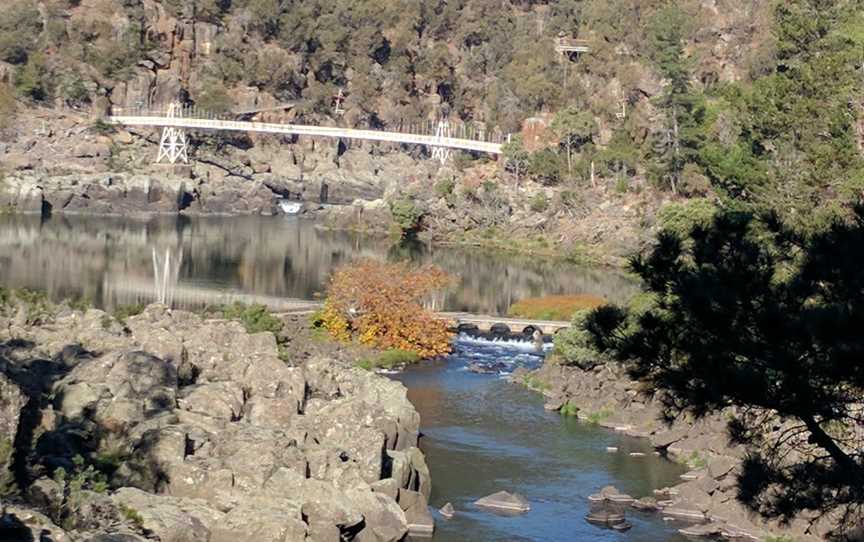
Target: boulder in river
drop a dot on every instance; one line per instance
(448, 511)
(504, 501)
(605, 516)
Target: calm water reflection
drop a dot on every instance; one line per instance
(96, 257)
(483, 434)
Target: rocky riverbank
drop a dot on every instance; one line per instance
(707, 495)
(173, 426)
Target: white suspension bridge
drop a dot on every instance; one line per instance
(175, 119)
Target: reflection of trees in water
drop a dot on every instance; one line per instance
(71, 256)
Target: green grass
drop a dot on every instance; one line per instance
(389, 359)
(569, 409)
(124, 312)
(696, 460)
(535, 383)
(255, 318)
(132, 516)
(599, 416)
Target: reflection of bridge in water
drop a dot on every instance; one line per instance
(135, 290)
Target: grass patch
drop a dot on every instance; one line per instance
(132, 516)
(695, 460)
(554, 307)
(255, 318)
(569, 409)
(599, 416)
(389, 359)
(124, 312)
(535, 383)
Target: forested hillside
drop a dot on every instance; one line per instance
(753, 104)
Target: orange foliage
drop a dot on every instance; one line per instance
(554, 307)
(381, 305)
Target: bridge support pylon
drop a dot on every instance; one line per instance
(173, 144)
(441, 153)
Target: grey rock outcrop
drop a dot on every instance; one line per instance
(216, 438)
(123, 194)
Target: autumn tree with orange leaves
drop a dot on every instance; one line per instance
(381, 305)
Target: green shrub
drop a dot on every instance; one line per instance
(539, 203)
(123, 312)
(569, 409)
(681, 218)
(574, 345)
(545, 166)
(599, 416)
(132, 516)
(444, 187)
(255, 318)
(407, 215)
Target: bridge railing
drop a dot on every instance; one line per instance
(457, 131)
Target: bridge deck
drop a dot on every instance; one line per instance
(298, 129)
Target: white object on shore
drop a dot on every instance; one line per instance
(290, 207)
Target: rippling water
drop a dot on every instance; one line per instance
(483, 434)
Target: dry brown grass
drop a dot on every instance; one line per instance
(554, 307)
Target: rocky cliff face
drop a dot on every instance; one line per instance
(188, 429)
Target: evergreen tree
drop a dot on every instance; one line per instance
(751, 319)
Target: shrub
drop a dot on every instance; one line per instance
(20, 26)
(574, 346)
(681, 218)
(554, 307)
(123, 312)
(444, 187)
(545, 166)
(380, 304)
(255, 318)
(407, 215)
(539, 203)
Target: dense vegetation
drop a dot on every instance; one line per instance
(780, 132)
(750, 318)
(382, 305)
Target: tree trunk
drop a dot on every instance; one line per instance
(824, 441)
(676, 151)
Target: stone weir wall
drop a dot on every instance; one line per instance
(707, 495)
(196, 430)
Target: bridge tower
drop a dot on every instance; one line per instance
(441, 153)
(173, 144)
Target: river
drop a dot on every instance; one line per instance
(95, 258)
(481, 433)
